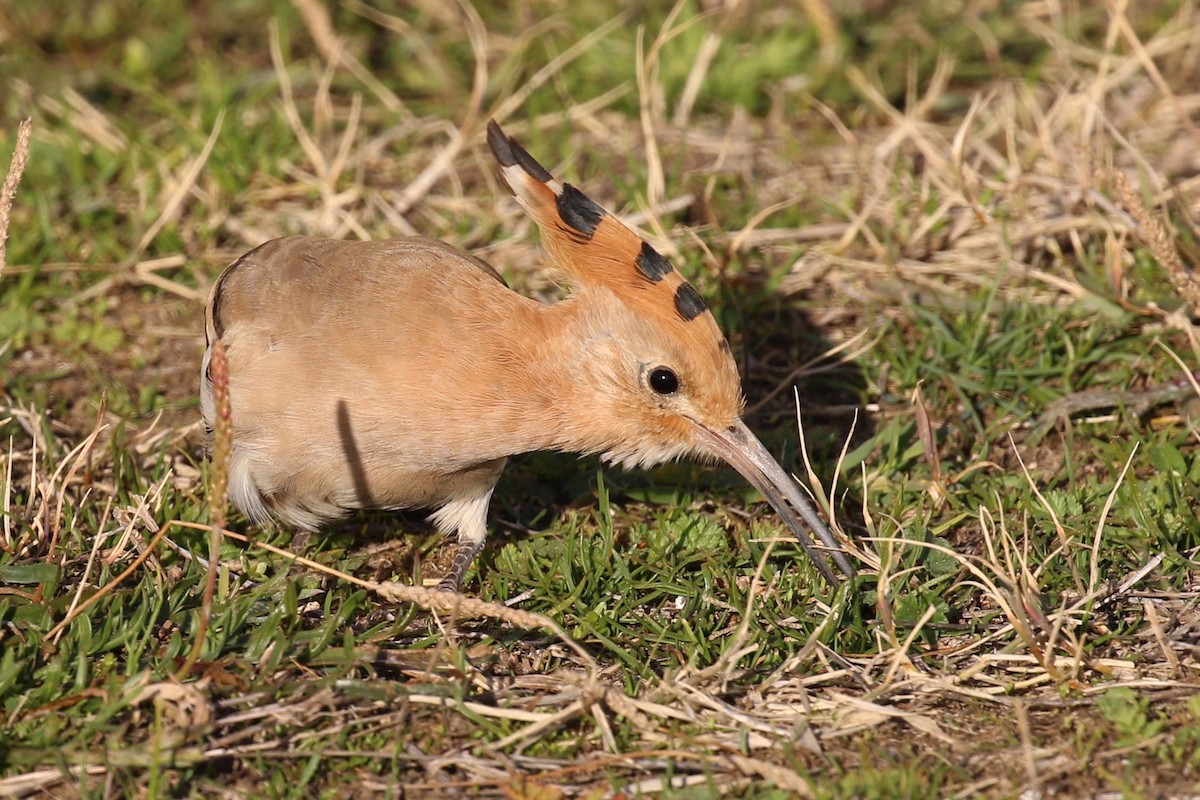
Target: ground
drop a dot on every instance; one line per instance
(950, 243)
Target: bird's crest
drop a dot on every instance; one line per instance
(597, 249)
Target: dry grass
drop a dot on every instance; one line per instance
(12, 179)
(910, 203)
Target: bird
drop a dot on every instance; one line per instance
(404, 373)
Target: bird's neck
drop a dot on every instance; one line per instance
(545, 399)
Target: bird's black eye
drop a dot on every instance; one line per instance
(664, 381)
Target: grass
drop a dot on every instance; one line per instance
(909, 211)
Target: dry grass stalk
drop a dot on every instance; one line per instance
(1094, 557)
(6, 541)
(16, 168)
(187, 180)
(222, 436)
(316, 19)
(554, 67)
(444, 161)
(218, 367)
(79, 457)
(1120, 19)
(1154, 235)
(929, 447)
(107, 588)
(455, 605)
(1064, 540)
(651, 102)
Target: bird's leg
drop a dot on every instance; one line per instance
(464, 554)
(466, 515)
(300, 540)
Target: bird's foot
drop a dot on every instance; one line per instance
(464, 554)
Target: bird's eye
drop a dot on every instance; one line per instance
(664, 381)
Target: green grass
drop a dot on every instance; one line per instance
(986, 283)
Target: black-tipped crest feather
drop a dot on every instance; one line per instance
(501, 145)
(688, 302)
(653, 266)
(578, 210)
(508, 151)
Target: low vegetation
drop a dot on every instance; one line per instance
(951, 244)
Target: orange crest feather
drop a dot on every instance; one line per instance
(593, 246)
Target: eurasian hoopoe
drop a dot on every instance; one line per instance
(404, 373)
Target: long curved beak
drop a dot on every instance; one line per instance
(742, 450)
